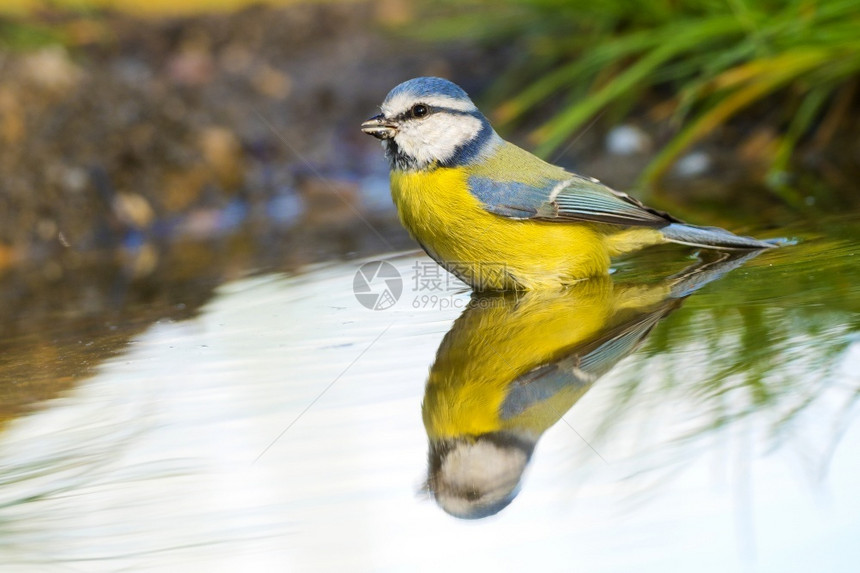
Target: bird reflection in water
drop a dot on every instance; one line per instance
(514, 363)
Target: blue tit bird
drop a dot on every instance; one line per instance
(513, 364)
(500, 218)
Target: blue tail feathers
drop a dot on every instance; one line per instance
(713, 237)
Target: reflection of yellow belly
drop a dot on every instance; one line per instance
(450, 223)
(490, 346)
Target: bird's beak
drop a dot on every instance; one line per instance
(379, 127)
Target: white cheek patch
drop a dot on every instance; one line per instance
(436, 137)
(401, 103)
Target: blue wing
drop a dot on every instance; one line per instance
(581, 366)
(575, 198)
(513, 183)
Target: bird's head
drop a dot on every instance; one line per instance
(430, 121)
(473, 478)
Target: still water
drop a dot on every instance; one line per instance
(686, 414)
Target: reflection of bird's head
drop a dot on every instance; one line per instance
(475, 478)
(428, 121)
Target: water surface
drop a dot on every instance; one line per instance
(280, 426)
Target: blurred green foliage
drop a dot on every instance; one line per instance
(22, 35)
(716, 57)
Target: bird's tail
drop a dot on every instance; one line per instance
(702, 273)
(713, 237)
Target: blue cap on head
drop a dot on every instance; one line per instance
(454, 131)
(428, 86)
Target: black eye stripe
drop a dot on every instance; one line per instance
(436, 109)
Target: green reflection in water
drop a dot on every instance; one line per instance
(768, 341)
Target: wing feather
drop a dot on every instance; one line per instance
(515, 184)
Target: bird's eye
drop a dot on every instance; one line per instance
(419, 110)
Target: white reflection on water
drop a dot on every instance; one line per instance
(150, 463)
